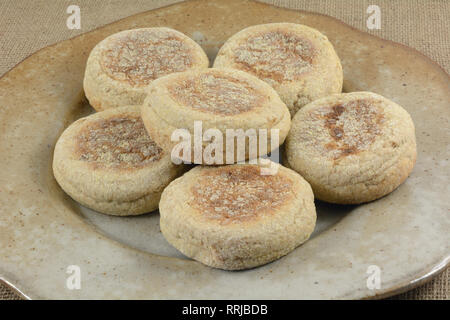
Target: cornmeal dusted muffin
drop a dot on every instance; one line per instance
(220, 100)
(233, 217)
(352, 148)
(297, 61)
(109, 163)
(121, 67)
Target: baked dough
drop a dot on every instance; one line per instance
(219, 99)
(120, 68)
(108, 162)
(233, 217)
(297, 61)
(353, 147)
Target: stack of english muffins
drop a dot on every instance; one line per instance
(161, 139)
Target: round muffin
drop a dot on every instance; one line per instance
(233, 217)
(120, 68)
(228, 104)
(297, 61)
(108, 162)
(352, 147)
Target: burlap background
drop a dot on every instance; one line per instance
(28, 25)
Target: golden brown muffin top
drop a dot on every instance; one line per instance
(239, 193)
(280, 55)
(140, 56)
(117, 141)
(344, 129)
(216, 92)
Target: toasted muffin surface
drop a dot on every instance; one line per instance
(108, 162)
(143, 55)
(278, 55)
(120, 67)
(233, 217)
(217, 93)
(353, 147)
(297, 61)
(343, 129)
(220, 99)
(229, 195)
(117, 141)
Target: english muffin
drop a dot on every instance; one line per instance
(297, 61)
(108, 162)
(227, 104)
(120, 68)
(352, 148)
(233, 217)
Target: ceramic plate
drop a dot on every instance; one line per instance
(42, 231)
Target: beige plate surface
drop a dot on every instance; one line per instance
(43, 231)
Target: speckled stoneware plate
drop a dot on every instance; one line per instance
(43, 231)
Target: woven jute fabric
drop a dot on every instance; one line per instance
(27, 26)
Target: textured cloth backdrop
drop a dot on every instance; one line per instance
(28, 25)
